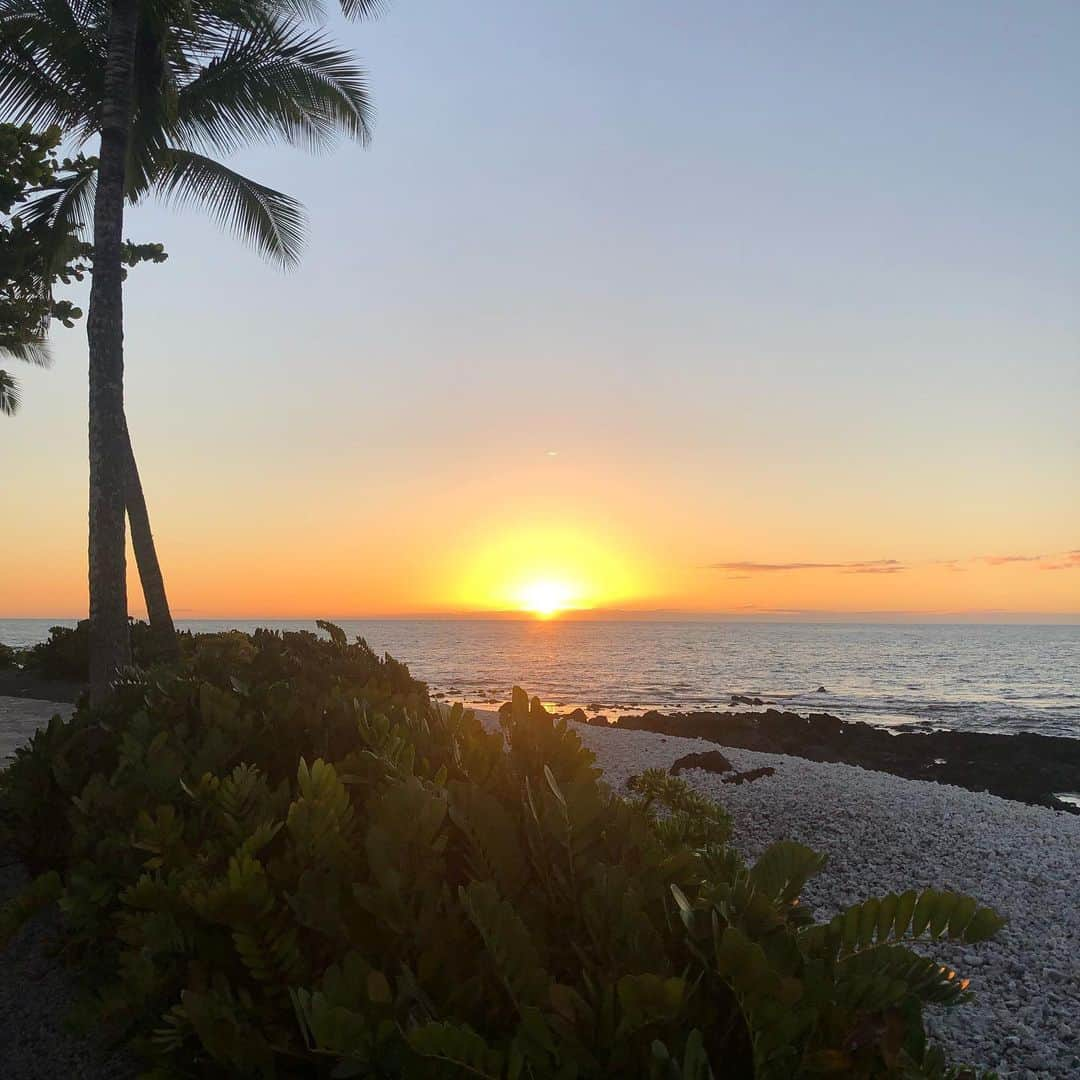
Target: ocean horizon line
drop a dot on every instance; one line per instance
(661, 615)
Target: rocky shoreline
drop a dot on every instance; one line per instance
(1027, 768)
(15, 682)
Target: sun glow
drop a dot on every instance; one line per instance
(546, 570)
(546, 597)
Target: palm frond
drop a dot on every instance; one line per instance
(277, 81)
(272, 222)
(67, 208)
(31, 95)
(362, 9)
(210, 77)
(34, 352)
(9, 394)
(51, 62)
(311, 11)
(250, 13)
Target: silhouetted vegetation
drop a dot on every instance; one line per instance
(33, 256)
(65, 655)
(283, 859)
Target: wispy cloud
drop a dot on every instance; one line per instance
(1070, 560)
(1062, 560)
(740, 569)
(865, 566)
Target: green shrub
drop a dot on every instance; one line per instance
(65, 655)
(9, 658)
(285, 860)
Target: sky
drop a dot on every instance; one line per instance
(758, 309)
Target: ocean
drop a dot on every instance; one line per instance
(969, 677)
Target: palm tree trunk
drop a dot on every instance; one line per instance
(109, 643)
(162, 630)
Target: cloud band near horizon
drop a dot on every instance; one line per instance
(865, 566)
(1066, 560)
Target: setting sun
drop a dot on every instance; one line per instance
(546, 570)
(546, 598)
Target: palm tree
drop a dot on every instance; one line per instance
(162, 82)
(10, 397)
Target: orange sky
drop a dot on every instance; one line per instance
(606, 535)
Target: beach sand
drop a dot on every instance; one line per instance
(20, 717)
(36, 991)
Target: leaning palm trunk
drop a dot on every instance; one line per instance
(162, 630)
(109, 644)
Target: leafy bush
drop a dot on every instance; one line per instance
(286, 861)
(8, 657)
(65, 655)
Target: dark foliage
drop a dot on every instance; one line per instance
(284, 860)
(33, 257)
(65, 655)
(38, 254)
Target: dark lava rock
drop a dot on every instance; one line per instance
(821, 690)
(825, 722)
(598, 721)
(578, 716)
(749, 776)
(1027, 768)
(711, 761)
(592, 708)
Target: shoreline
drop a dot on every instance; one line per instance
(1041, 770)
(19, 684)
(1027, 768)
